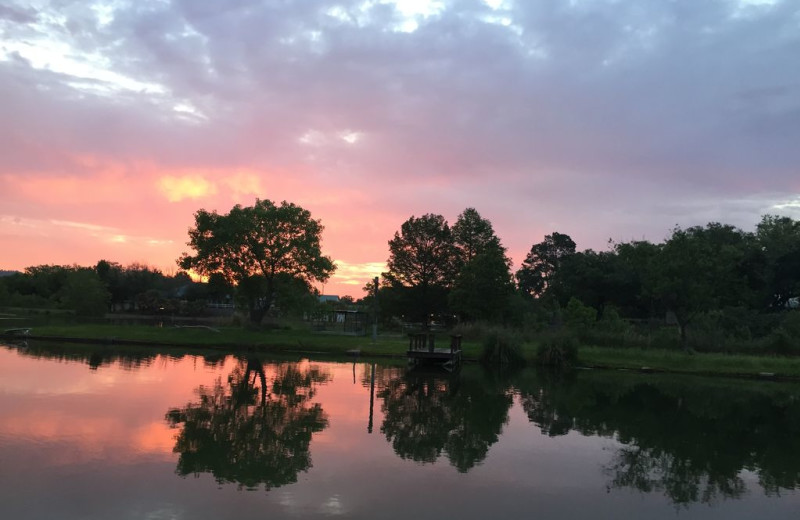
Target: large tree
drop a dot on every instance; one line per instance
(422, 262)
(778, 239)
(253, 429)
(483, 285)
(252, 247)
(698, 270)
(473, 234)
(542, 262)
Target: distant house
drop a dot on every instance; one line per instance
(324, 298)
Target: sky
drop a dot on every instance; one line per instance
(601, 119)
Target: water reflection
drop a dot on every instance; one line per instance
(426, 414)
(95, 356)
(692, 440)
(255, 428)
(250, 422)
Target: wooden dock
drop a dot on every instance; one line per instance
(21, 331)
(422, 351)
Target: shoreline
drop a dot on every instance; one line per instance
(762, 368)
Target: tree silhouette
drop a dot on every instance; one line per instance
(254, 246)
(687, 439)
(253, 430)
(427, 414)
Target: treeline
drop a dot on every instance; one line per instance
(712, 287)
(109, 286)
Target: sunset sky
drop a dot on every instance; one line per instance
(602, 119)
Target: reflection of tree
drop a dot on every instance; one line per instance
(255, 429)
(96, 356)
(425, 414)
(681, 479)
(685, 438)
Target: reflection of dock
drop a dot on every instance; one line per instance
(422, 351)
(22, 331)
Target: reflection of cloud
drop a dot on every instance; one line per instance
(333, 506)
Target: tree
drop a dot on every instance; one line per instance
(697, 270)
(472, 234)
(779, 241)
(542, 262)
(422, 260)
(254, 429)
(483, 286)
(425, 414)
(254, 245)
(85, 293)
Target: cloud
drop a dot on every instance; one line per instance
(357, 274)
(599, 119)
(186, 187)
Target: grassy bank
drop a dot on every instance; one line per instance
(294, 340)
(676, 361)
(237, 338)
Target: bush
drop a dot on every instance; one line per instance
(578, 316)
(502, 347)
(791, 324)
(612, 323)
(780, 342)
(559, 351)
(473, 331)
(666, 338)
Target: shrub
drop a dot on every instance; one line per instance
(780, 342)
(560, 351)
(477, 330)
(612, 323)
(579, 316)
(791, 324)
(666, 338)
(502, 347)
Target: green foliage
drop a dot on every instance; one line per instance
(427, 415)
(5, 296)
(697, 269)
(254, 245)
(483, 287)
(611, 322)
(85, 293)
(558, 351)
(422, 265)
(780, 342)
(778, 240)
(474, 330)
(473, 235)
(579, 317)
(270, 415)
(502, 347)
(664, 338)
(542, 263)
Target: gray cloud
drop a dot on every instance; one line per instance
(612, 119)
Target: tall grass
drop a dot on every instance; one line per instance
(502, 347)
(558, 351)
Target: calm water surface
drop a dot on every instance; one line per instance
(98, 434)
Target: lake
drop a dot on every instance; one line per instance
(99, 433)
